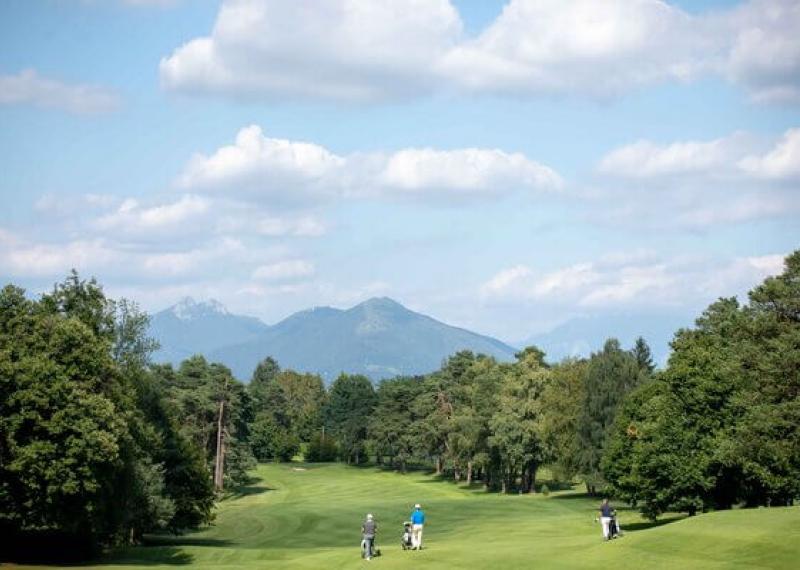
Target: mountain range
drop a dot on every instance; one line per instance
(379, 338)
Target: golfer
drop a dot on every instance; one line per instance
(606, 512)
(368, 530)
(417, 522)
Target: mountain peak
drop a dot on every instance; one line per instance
(188, 309)
(381, 302)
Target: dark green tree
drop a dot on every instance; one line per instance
(562, 401)
(351, 401)
(612, 373)
(641, 352)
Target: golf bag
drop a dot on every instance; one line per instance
(406, 540)
(374, 551)
(613, 526)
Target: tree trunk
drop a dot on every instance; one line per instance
(531, 478)
(220, 458)
(438, 464)
(469, 473)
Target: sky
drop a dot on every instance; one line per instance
(501, 166)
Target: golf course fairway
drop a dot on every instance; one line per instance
(309, 516)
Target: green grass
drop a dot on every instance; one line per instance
(309, 516)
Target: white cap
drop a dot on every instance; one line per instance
(417, 506)
(369, 517)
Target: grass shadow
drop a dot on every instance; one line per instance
(144, 556)
(161, 540)
(646, 525)
(131, 556)
(247, 491)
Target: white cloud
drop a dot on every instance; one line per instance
(262, 165)
(629, 281)
(737, 178)
(766, 265)
(645, 159)
(765, 55)
(285, 172)
(740, 209)
(25, 259)
(503, 280)
(116, 259)
(131, 217)
(470, 170)
(30, 88)
(582, 46)
(284, 270)
(782, 162)
(346, 50)
(352, 51)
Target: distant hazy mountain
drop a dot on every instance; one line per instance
(582, 336)
(379, 338)
(192, 327)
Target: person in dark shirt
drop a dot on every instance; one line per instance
(368, 530)
(606, 512)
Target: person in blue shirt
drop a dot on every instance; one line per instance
(417, 522)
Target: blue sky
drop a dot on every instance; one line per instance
(501, 166)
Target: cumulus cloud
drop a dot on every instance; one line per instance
(346, 50)
(132, 217)
(732, 179)
(765, 54)
(646, 159)
(471, 170)
(287, 172)
(584, 46)
(356, 51)
(110, 256)
(780, 163)
(23, 258)
(630, 281)
(504, 279)
(262, 165)
(30, 88)
(734, 155)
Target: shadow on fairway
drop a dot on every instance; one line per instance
(248, 490)
(145, 556)
(134, 556)
(645, 525)
(157, 541)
